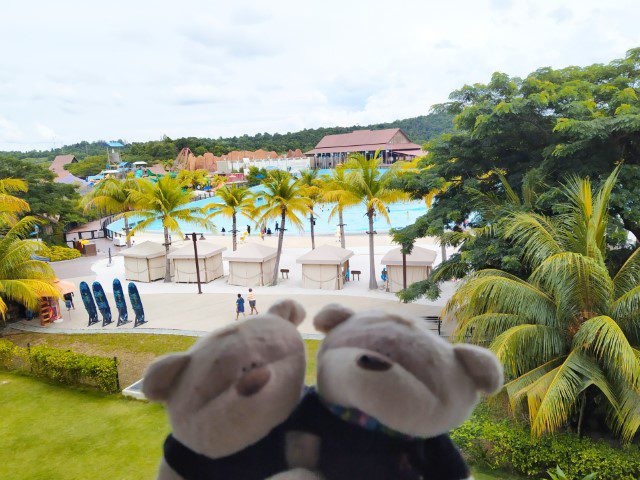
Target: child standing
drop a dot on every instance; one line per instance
(252, 301)
(239, 306)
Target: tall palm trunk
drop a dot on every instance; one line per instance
(341, 220)
(126, 231)
(167, 272)
(233, 233)
(283, 218)
(373, 284)
(313, 237)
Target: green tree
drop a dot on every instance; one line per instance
(22, 279)
(91, 165)
(165, 200)
(113, 196)
(234, 200)
(335, 189)
(194, 178)
(575, 120)
(311, 188)
(57, 204)
(569, 331)
(284, 200)
(373, 190)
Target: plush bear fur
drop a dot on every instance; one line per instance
(227, 396)
(388, 391)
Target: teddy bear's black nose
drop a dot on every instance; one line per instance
(371, 362)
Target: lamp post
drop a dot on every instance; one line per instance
(195, 253)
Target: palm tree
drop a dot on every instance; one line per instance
(22, 279)
(284, 199)
(570, 331)
(335, 190)
(311, 188)
(113, 196)
(193, 178)
(165, 200)
(371, 188)
(234, 200)
(10, 205)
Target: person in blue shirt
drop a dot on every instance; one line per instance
(383, 275)
(240, 306)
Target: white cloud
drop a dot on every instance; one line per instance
(209, 67)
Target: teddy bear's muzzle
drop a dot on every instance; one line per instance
(253, 381)
(371, 362)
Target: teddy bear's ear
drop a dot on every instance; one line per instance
(331, 316)
(481, 365)
(290, 310)
(161, 375)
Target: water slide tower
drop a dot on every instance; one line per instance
(113, 153)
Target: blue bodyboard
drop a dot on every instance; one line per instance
(89, 303)
(103, 303)
(136, 304)
(121, 303)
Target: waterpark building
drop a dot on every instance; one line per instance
(393, 144)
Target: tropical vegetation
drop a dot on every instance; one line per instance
(567, 334)
(22, 279)
(284, 201)
(574, 120)
(312, 189)
(234, 200)
(335, 190)
(370, 187)
(113, 196)
(167, 201)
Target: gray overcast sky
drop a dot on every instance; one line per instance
(74, 70)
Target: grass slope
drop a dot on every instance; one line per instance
(49, 432)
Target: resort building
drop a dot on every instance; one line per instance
(393, 144)
(241, 161)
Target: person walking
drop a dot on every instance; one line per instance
(249, 229)
(277, 227)
(252, 301)
(240, 306)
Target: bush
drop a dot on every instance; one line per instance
(56, 253)
(61, 366)
(507, 445)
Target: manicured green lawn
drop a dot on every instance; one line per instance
(51, 432)
(134, 351)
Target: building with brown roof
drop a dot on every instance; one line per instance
(393, 144)
(57, 166)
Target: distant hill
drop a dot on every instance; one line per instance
(419, 129)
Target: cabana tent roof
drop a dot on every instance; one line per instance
(252, 252)
(205, 250)
(325, 255)
(419, 257)
(144, 250)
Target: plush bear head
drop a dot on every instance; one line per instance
(235, 385)
(395, 370)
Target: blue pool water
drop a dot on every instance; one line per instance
(400, 215)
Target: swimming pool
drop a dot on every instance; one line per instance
(400, 214)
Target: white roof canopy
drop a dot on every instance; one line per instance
(251, 252)
(419, 257)
(145, 250)
(205, 250)
(326, 255)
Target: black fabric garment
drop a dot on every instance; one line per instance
(350, 452)
(256, 462)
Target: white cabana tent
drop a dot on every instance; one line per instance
(251, 265)
(183, 263)
(325, 267)
(419, 265)
(144, 262)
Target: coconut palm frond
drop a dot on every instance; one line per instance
(536, 234)
(553, 397)
(602, 338)
(518, 388)
(484, 328)
(542, 343)
(628, 276)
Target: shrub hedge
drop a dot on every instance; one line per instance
(62, 366)
(507, 445)
(57, 253)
